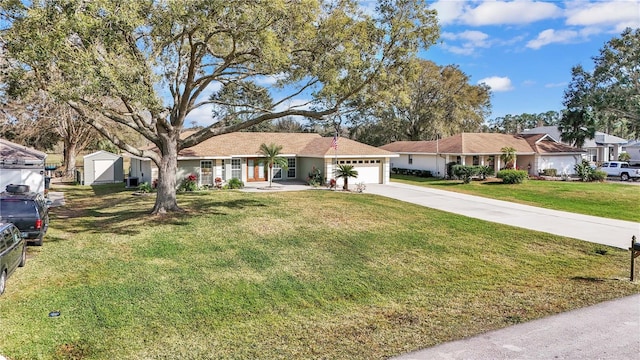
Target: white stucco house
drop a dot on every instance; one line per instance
(20, 165)
(236, 155)
(534, 152)
(603, 147)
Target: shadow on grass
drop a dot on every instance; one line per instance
(112, 212)
(106, 189)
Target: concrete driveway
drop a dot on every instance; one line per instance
(594, 229)
(609, 330)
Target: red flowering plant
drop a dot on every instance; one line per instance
(189, 183)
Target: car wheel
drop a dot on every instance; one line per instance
(624, 177)
(23, 260)
(3, 280)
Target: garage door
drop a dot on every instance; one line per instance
(369, 171)
(103, 171)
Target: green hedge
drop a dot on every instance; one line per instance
(512, 176)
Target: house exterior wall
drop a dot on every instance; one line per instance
(634, 153)
(564, 164)
(418, 162)
(305, 166)
(144, 170)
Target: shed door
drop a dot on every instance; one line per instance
(103, 171)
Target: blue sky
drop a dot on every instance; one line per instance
(524, 49)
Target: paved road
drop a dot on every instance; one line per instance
(609, 330)
(594, 229)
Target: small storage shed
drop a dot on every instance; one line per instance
(103, 167)
(20, 165)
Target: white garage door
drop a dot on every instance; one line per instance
(369, 171)
(368, 174)
(103, 171)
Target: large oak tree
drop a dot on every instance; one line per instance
(440, 102)
(607, 98)
(148, 64)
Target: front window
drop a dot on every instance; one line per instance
(410, 159)
(206, 172)
(277, 172)
(291, 168)
(236, 169)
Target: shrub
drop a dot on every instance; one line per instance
(450, 166)
(586, 172)
(512, 176)
(550, 172)
(315, 177)
(189, 183)
(145, 187)
(235, 183)
(599, 176)
(464, 172)
(484, 171)
(624, 156)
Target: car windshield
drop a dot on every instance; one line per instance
(16, 208)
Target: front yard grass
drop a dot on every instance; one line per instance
(293, 275)
(612, 200)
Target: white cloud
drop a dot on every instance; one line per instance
(201, 116)
(508, 12)
(616, 13)
(448, 11)
(556, 85)
(497, 83)
(471, 40)
(551, 36)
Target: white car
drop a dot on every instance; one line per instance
(620, 169)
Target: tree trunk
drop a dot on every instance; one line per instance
(70, 152)
(166, 191)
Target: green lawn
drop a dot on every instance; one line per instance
(293, 275)
(613, 200)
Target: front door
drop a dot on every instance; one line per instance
(256, 171)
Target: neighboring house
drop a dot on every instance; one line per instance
(236, 155)
(603, 147)
(534, 153)
(102, 167)
(21, 165)
(633, 149)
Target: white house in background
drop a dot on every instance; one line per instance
(534, 152)
(633, 149)
(21, 165)
(237, 155)
(103, 167)
(603, 147)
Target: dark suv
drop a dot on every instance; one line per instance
(27, 210)
(13, 252)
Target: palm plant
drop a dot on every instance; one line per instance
(508, 157)
(346, 172)
(272, 157)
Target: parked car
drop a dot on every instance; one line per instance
(620, 169)
(28, 211)
(13, 252)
